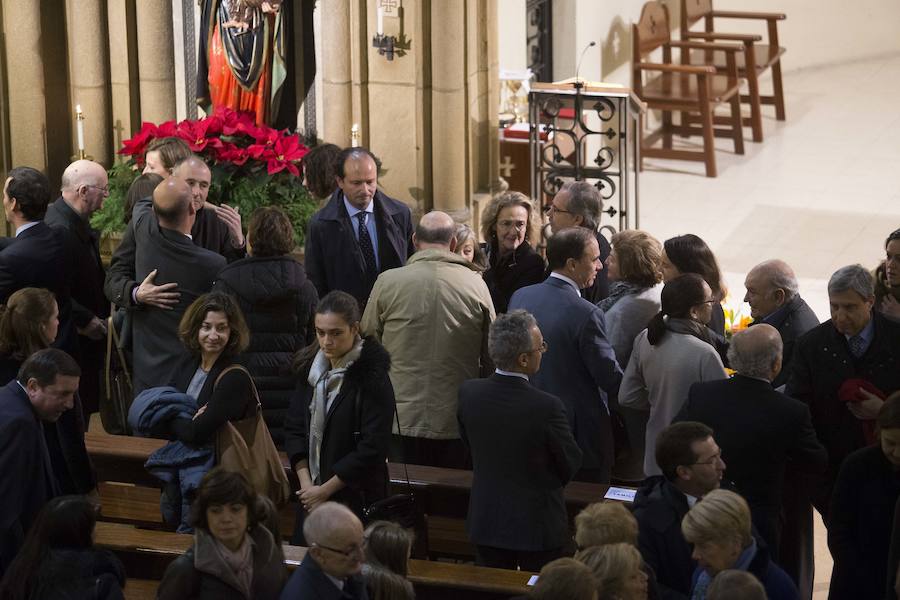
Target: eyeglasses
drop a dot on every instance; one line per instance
(355, 550)
(553, 209)
(713, 460)
(104, 189)
(542, 348)
(518, 225)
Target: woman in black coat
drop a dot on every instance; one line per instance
(339, 424)
(508, 225)
(278, 302)
(861, 514)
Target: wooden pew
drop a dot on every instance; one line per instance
(146, 554)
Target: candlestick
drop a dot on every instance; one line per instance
(79, 125)
(380, 28)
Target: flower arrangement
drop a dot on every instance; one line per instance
(251, 166)
(735, 318)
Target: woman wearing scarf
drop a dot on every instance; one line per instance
(673, 353)
(718, 526)
(338, 425)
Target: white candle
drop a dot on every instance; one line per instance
(79, 124)
(380, 28)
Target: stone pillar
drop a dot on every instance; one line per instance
(336, 73)
(87, 75)
(123, 71)
(157, 67)
(24, 56)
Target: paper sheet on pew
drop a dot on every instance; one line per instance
(620, 494)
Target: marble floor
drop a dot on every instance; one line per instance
(821, 191)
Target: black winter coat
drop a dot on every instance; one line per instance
(360, 463)
(279, 304)
(522, 267)
(79, 575)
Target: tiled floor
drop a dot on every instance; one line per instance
(821, 191)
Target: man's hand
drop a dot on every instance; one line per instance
(161, 296)
(868, 408)
(890, 307)
(232, 218)
(95, 329)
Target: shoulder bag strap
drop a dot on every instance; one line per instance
(112, 340)
(237, 367)
(357, 431)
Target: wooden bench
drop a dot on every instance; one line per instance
(146, 554)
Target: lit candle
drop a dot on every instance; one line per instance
(79, 124)
(380, 28)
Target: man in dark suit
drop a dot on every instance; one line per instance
(774, 298)
(360, 233)
(580, 366)
(759, 429)
(330, 570)
(523, 454)
(692, 467)
(44, 390)
(164, 252)
(84, 188)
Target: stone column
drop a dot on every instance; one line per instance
(87, 75)
(336, 73)
(157, 65)
(24, 55)
(123, 71)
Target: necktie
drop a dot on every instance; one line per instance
(857, 346)
(365, 244)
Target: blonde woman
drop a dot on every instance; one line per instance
(617, 570)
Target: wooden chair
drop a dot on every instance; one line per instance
(692, 90)
(755, 59)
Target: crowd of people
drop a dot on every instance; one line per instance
(406, 341)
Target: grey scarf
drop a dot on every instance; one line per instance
(689, 327)
(617, 291)
(326, 383)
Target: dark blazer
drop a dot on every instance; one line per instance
(360, 463)
(860, 525)
(600, 288)
(231, 400)
(759, 431)
(659, 508)
(157, 348)
(309, 582)
(821, 363)
(580, 366)
(333, 258)
(523, 455)
(279, 303)
(39, 257)
(796, 319)
(520, 268)
(26, 477)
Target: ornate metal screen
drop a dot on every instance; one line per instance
(539, 38)
(587, 134)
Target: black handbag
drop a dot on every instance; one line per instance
(398, 508)
(117, 392)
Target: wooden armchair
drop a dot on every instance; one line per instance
(755, 59)
(692, 90)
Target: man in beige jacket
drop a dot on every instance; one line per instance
(432, 316)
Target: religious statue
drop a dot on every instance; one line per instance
(246, 59)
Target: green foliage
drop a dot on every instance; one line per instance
(110, 219)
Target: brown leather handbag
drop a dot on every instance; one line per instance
(246, 447)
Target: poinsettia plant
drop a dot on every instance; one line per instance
(251, 166)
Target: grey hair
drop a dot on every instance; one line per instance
(320, 524)
(852, 278)
(584, 200)
(510, 336)
(787, 281)
(752, 359)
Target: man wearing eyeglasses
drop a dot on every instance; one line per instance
(84, 188)
(330, 570)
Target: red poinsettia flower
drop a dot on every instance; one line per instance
(167, 129)
(200, 134)
(266, 138)
(233, 154)
(236, 122)
(286, 151)
(138, 143)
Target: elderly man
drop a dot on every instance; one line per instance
(580, 367)
(330, 569)
(578, 204)
(432, 316)
(773, 295)
(43, 391)
(523, 454)
(360, 233)
(692, 466)
(84, 188)
(759, 429)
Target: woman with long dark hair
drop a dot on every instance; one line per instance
(673, 353)
(387, 548)
(339, 422)
(58, 560)
(28, 323)
(690, 254)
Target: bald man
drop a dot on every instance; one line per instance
(330, 570)
(774, 298)
(84, 188)
(432, 316)
(758, 429)
(173, 272)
